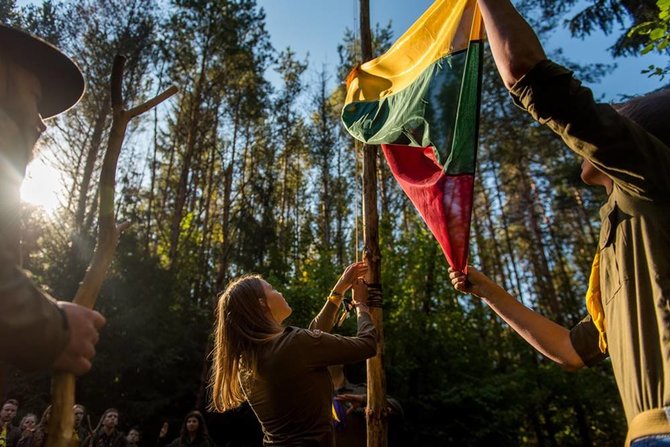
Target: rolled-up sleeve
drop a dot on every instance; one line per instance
(636, 160)
(584, 338)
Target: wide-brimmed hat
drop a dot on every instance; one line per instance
(62, 81)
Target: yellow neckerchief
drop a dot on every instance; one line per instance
(3, 436)
(594, 303)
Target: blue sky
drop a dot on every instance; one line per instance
(315, 27)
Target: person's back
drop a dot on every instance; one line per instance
(286, 387)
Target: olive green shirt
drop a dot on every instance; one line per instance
(291, 391)
(634, 237)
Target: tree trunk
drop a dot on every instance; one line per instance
(508, 237)
(191, 143)
(89, 167)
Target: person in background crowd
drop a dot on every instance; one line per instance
(349, 404)
(42, 430)
(9, 434)
(106, 434)
(193, 433)
(27, 426)
(133, 437)
(81, 431)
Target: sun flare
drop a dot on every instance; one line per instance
(42, 185)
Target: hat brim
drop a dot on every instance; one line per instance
(61, 79)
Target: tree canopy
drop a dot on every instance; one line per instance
(237, 174)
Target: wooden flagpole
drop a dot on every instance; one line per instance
(376, 409)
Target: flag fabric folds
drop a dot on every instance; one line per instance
(420, 101)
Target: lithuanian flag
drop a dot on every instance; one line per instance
(420, 101)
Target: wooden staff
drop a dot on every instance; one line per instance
(376, 409)
(61, 421)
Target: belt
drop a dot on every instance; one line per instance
(649, 423)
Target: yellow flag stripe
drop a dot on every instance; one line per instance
(445, 28)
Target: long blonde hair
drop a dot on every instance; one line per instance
(242, 326)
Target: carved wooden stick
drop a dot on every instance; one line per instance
(61, 421)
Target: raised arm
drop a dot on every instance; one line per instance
(550, 339)
(322, 349)
(623, 144)
(515, 47)
(325, 319)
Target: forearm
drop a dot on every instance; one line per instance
(325, 319)
(515, 46)
(547, 337)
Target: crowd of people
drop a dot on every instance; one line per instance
(29, 432)
(257, 359)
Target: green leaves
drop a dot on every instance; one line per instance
(658, 37)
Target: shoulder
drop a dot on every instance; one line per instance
(308, 334)
(294, 339)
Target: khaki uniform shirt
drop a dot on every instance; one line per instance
(291, 392)
(634, 237)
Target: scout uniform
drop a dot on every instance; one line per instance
(634, 246)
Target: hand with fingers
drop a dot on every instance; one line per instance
(84, 325)
(474, 282)
(355, 401)
(352, 273)
(164, 430)
(360, 294)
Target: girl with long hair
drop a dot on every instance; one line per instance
(27, 426)
(193, 433)
(282, 371)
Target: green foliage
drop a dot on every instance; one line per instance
(8, 13)
(657, 35)
(238, 176)
(584, 18)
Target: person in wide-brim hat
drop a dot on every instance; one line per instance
(37, 81)
(61, 79)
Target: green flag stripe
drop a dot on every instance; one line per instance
(462, 157)
(405, 117)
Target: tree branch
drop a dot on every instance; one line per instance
(61, 422)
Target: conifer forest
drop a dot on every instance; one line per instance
(238, 174)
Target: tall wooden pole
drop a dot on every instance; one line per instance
(376, 414)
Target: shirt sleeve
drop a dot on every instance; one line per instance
(584, 337)
(33, 330)
(636, 160)
(325, 319)
(319, 348)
